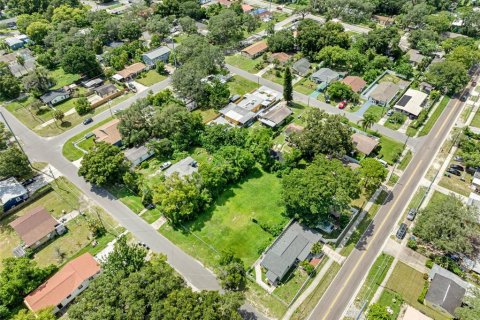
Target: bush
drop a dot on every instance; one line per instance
(82, 106)
(422, 117)
(429, 264)
(305, 265)
(422, 295)
(412, 244)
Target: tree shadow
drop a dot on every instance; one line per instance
(66, 124)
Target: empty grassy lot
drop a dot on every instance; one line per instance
(305, 86)
(239, 85)
(61, 78)
(390, 149)
(244, 63)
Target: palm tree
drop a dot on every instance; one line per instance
(368, 121)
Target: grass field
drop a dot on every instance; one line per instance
(305, 86)
(376, 111)
(289, 288)
(61, 78)
(390, 149)
(375, 276)
(244, 63)
(476, 120)
(266, 303)
(150, 78)
(405, 160)
(392, 300)
(228, 224)
(434, 117)
(207, 114)
(408, 283)
(395, 125)
(272, 76)
(239, 85)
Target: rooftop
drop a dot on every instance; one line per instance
(385, 91)
(412, 102)
(34, 225)
(108, 132)
(158, 52)
(106, 89)
(236, 113)
(364, 143)
(256, 48)
(301, 66)
(415, 56)
(63, 283)
(132, 154)
(52, 94)
(325, 75)
(446, 293)
(275, 115)
(356, 83)
(10, 188)
(131, 70)
(281, 56)
(184, 167)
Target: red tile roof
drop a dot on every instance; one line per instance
(132, 70)
(281, 56)
(247, 8)
(34, 225)
(256, 48)
(63, 283)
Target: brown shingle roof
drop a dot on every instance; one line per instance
(34, 225)
(356, 83)
(363, 143)
(108, 132)
(281, 56)
(256, 48)
(63, 283)
(132, 70)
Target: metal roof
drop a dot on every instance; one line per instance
(158, 52)
(10, 188)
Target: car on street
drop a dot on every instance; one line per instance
(389, 112)
(411, 214)
(454, 171)
(464, 97)
(474, 83)
(87, 121)
(165, 165)
(402, 231)
(342, 104)
(457, 167)
(327, 98)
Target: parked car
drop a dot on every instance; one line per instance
(87, 121)
(454, 171)
(28, 182)
(464, 97)
(411, 214)
(342, 104)
(390, 112)
(458, 158)
(402, 231)
(457, 167)
(327, 98)
(165, 165)
(474, 83)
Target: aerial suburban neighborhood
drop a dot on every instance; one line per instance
(248, 159)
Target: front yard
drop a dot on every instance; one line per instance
(305, 86)
(239, 85)
(376, 111)
(390, 150)
(244, 63)
(150, 78)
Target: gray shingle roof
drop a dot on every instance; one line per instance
(301, 66)
(158, 52)
(446, 293)
(50, 95)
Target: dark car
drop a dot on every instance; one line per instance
(28, 182)
(327, 98)
(454, 171)
(474, 83)
(457, 167)
(411, 214)
(402, 231)
(87, 121)
(464, 97)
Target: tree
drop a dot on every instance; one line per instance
(373, 173)
(103, 165)
(324, 133)
(324, 187)
(37, 82)
(465, 55)
(125, 258)
(225, 28)
(5, 136)
(188, 25)
(447, 76)
(180, 198)
(80, 60)
(235, 162)
(341, 91)
(378, 312)
(312, 36)
(471, 307)
(232, 272)
(440, 22)
(58, 115)
(37, 31)
(159, 26)
(368, 121)
(448, 225)
(218, 94)
(9, 85)
(281, 41)
(82, 106)
(287, 85)
(14, 163)
(44, 314)
(129, 29)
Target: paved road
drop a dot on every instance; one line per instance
(414, 143)
(341, 291)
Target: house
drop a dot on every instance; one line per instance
(426, 87)
(411, 102)
(413, 314)
(159, 54)
(65, 285)
(109, 133)
(444, 295)
(118, 10)
(225, 3)
(19, 69)
(10, 23)
(237, 116)
(130, 72)
(415, 57)
(137, 155)
(291, 247)
(106, 90)
(12, 193)
(17, 42)
(262, 14)
(384, 93)
(364, 143)
(37, 227)
(255, 49)
(184, 167)
(325, 76)
(476, 180)
(92, 83)
(301, 67)
(384, 21)
(356, 83)
(54, 97)
(275, 116)
(281, 57)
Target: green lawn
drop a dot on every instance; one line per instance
(375, 276)
(405, 160)
(239, 85)
(305, 86)
(128, 198)
(228, 224)
(476, 120)
(264, 302)
(272, 75)
(150, 78)
(456, 185)
(151, 215)
(244, 63)
(62, 79)
(69, 151)
(393, 180)
(377, 111)
(392, 300)
(289, 288)
(390, 149)
(395, 125)
(434, 117)
(408, 283)
(207, 114)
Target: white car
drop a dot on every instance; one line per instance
(165, 165)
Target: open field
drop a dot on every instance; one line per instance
(61, 78)
(239, 85)
(244, 63)
(150, 78)
(390, 149)
(376, 111)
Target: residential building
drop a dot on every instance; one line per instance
(130, 72)
(413, 314)
(118, 10)
(325, 76)
(159, 54)
(262, 14)
(275, 116)
(65, 285)
(106, 90)
(92, 83)
(384, 93)
(16, 42)
(301, 67)
(281, 57)
(12, 194)
(184, 167)
(476, 180)
(237, 116)
(291, 247)
(364, 143)
(225, 3)
(137, 155)
(444, 295)
(109, 133)
(426, 87)
(384, 21)
(19, 69)
(37, 227)
(356, 83)
(255, 49)
(246, 8)
(412, 102)
(415, 57)
(54, 97)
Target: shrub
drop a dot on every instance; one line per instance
(429, 264)
(412, 244)
(82, 106)
(422, 295)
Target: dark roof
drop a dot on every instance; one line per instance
(445, 293)
(301, 66)
(275, 115)
(106, 89)
(50, 95)
(326, 75)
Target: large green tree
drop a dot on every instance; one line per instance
(447, 76)
(125, 258)
(82, 61)
(287, 85)
(232, 272)
(14, 163)
(225, 28)
(282, 40)
(471, 308)
(373, 173)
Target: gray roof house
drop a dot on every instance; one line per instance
(138, 155)
(292, 246)
(384, 93)
(11, 194)
(415, 57)
(158, 54)
(106, 90)
(325, 75)
(237, 115)
(444, 295)
(275, 116)
(184, 167)
(301, 67)
(53, 97)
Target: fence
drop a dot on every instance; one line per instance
(108, 98)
